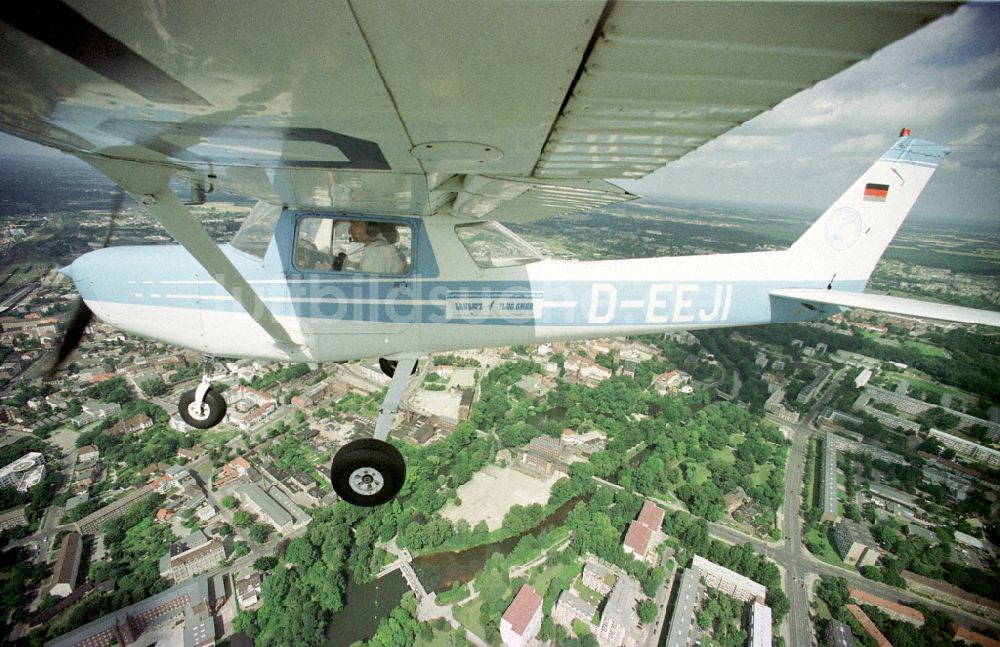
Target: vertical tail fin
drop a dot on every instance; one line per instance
(848, 240)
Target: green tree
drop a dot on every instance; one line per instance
(873, 573)
(647, 611)
(243, 518)
(259, 532)
(154, 387)
(833, 591)
(300, 551)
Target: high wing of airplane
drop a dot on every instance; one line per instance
(505, 110)
(384, 140)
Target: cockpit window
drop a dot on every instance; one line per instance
(324, 244)
(492, 245)
(257, 230)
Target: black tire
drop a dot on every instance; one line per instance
(388, 366)
(213, 409)
(368, 472)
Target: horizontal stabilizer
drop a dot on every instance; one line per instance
(890, 305)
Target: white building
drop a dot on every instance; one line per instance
(572, 607)
(523, 618)
(24, 473)
(101, 410)
(760, 625)
(206, 512)
(87, 453)
(248, 590)
(968, 540)
(968, 448)
(729, 582)
(618, 613)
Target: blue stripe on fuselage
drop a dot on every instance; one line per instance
(517, 303)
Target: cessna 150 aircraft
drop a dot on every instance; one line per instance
(384, 140)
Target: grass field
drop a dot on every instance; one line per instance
(761, 474)
(541, 577)
(697, 474)
(588, 594)
(924, 382)
(725, 455)
(440, 639)
(826, 551)
(822, 611)
(220, 437)
(468, 616)
(927, 349)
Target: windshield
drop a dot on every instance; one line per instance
(492, 245)
(255, 234)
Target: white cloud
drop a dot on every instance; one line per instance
(744, 143)
(858, 145)
(978, 134)
(943, 82)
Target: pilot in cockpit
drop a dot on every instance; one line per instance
(378, 253)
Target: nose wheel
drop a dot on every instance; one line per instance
(368, 472)
(202, 407)
(208, 413)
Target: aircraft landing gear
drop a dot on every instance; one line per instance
(369, 472)
(202, 407)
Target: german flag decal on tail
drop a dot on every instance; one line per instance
(876, 192)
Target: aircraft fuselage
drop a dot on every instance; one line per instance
(445, 301)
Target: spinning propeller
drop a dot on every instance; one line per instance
(81, 315)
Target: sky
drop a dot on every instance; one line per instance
(942, 82)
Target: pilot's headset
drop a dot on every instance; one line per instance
(372, 229)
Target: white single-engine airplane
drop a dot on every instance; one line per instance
(384, 140)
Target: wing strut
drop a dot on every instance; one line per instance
(150, 185)
(393, 396)
(186, 230)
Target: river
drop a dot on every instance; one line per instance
(439, 571)
(364, 606)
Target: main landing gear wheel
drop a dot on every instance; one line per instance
(209, 414)
(368, 472)
(388, 366)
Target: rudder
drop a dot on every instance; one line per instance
(846, 243)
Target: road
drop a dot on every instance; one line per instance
(799, 626)
(798, 563)
(808, 564)
(790, 555)
(18, 296)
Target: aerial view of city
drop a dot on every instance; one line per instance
(607, 323)
(834, 483)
